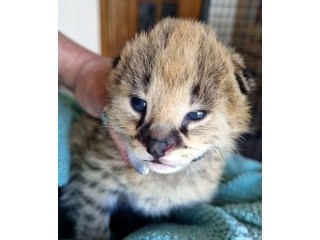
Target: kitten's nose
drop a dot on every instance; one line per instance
(158, 148)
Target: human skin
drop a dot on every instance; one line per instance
(86, 75)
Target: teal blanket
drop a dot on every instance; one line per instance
(235, 213)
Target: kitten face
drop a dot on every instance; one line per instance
(176, 95)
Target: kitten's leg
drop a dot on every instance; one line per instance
(91, 223)
(91, 215)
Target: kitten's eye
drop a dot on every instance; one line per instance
(196, 115)
(138, 104)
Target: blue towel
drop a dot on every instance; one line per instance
(64, 122)
(234, 214)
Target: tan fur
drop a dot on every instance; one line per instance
(161, 67)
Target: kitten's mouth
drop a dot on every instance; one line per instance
(156, 161)
(162, 168)
(143, 166)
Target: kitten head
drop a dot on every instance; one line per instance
(177, 95)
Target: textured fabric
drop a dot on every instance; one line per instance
(235, 212)
(64, 122)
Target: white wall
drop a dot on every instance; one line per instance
(80, 21)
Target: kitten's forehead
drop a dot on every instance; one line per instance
(177, 57)
(190, 62)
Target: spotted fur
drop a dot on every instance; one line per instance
(178, 67)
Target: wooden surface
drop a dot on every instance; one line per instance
(119, 20)
(189, 9)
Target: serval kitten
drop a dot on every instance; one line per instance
(178, 98)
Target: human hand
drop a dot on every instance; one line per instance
(90, 84)
(86, 75)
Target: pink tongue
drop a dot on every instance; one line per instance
(120, 145)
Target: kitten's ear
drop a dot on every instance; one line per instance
(115, 62)
(244, 78)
